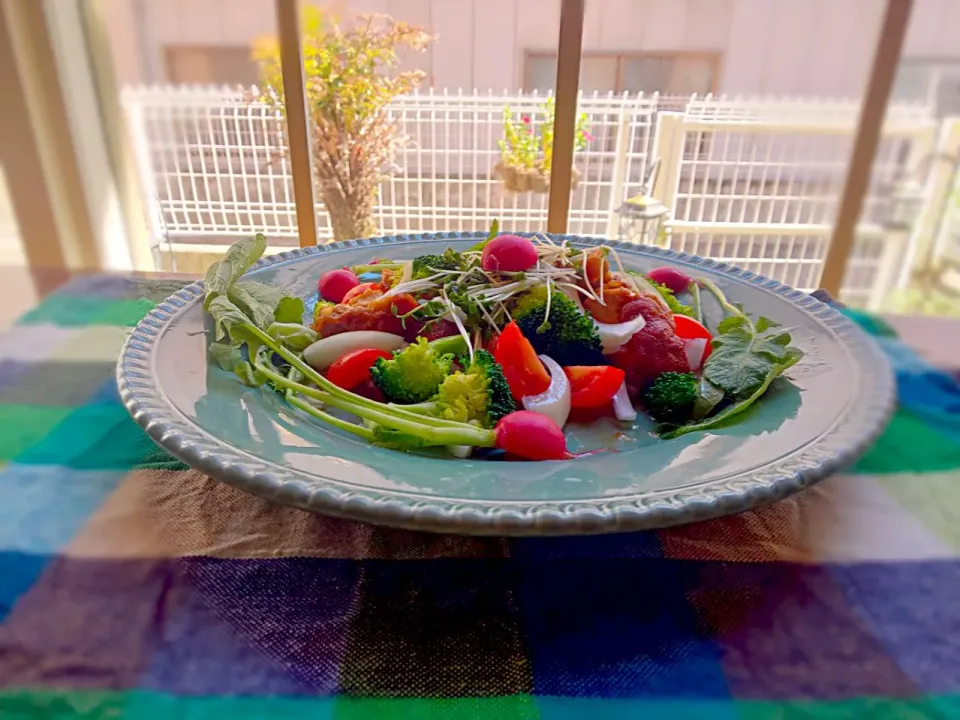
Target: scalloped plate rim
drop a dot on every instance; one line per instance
(856, 431)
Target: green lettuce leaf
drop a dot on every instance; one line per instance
(265, 304)
(744, 354)
(294, 335)
(221, 276)
(226, 356)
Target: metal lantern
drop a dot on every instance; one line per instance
(906, 201)
(641, 219)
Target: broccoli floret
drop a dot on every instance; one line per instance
(427, 265)
(676, 307)
(413, 374)
(478, 394)
(568, 336)
(671, 397)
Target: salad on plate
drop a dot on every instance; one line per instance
(491, 351)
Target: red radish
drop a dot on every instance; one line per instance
(531, 436)
(509, 253)
(670, 278)
(333, 285)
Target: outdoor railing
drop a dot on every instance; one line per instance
(752, 182)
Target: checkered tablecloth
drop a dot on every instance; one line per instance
(132, 587)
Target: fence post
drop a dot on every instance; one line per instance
(886, 57)
(940, 163)
(144, 162)
(619, 171)
(298, 121)
(668, 146)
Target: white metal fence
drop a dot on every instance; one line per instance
(751, 182)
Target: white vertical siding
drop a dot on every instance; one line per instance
(453, 52)
(242, 21)
(707, 24)
(591, 23)
(785, 66)
(662, 25)
(538, 25)
(923, 34)
(811, 47)
(494, 40)
(620, 25)
(747, 44)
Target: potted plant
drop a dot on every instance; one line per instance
(350, 77)
(526, 150)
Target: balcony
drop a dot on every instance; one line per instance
(750, 182)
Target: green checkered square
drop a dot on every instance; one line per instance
(76, 311)
(16, 704)
(909, 445)
(515, 707)
(23, 427)
(901, 709)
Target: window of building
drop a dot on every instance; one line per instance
(210, 65)
(933, 81)
(666, 73)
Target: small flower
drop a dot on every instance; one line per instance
(526, 119)
(587, 135)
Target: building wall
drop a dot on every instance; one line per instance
(768, 47)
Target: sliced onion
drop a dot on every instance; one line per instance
(695, 348)
(622, 406)
(614, 335)
(554, 402)
(324, 352)
(460, 451)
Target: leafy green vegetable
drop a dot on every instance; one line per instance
(221, 276)
(745, 352)
(676, 307)
(289, 310)
(226, 356)
(424, 431)
(228, 320)
(728, 412)
(261, 303)
(494, 231)
(264, 304)
(747, 357)
(294, 335)
(708, 397)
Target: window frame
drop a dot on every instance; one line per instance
(170, 49)
(714, 57)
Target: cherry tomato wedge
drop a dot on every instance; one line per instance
(690, 329)
(523, 370)
(350, 370)
(357, 290)
(592, 386)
